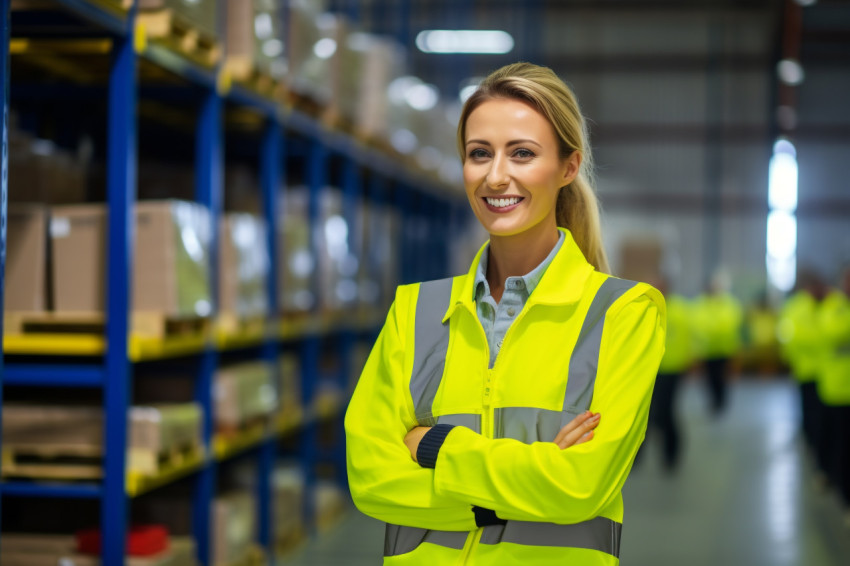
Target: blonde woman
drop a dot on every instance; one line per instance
(500, 411)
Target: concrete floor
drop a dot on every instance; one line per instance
(745, 495)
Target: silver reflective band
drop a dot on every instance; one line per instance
(528, 424)
(597, 534)
(401, 540)
(430, 347)
(470, 421)
(585, 356)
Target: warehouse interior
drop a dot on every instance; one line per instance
(207, 206)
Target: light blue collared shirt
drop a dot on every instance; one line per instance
(497, 318)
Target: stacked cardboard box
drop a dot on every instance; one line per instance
(78, 430)
(26, 258)
(381, 61)
(379, 267)
(234, 527)
(288, 510)
(338, 266)
(297, 268)
(289, 384)
(329, 504)
(243, 266)
(255, 38)
(171, 258)
(244, 393)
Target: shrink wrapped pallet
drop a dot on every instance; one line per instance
(57, 441)
(304, 35)
(159, 430)
(338, 266)
(243, 393)
(381, 60)
(234, 527)
(26, 258)
(171, 258)
(288, 486)
(379, 266)
(243, 266)
(329, 504)
(256, 39)
(297, 270)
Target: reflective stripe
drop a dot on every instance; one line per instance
(401, 540)
(585, 356)
(470, 421)
(597, 534)
(432, 343)
(526, 424)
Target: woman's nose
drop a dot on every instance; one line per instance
(498, 177)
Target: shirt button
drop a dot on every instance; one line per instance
(511, 312)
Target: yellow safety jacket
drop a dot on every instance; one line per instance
(718, 321)
(583, 340)
(679, 350)
(799, 336)
(833, 382)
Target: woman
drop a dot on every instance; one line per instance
(499, 413)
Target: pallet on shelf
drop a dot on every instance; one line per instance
(175, 32)
(50, 550)
(232, 330)
(143, 324)
(52, 461)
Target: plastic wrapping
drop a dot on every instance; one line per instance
(243, 266)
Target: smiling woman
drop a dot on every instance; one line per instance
(476, 430)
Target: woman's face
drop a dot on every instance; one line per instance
(513, 170)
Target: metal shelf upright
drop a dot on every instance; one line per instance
(5, 26)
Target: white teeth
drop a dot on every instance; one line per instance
(502, 202)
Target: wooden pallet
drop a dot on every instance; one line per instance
(146, 324)
(173, 31)
(232, 324)
(52, 461)
(147, 462)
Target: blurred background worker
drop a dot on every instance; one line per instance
(799, 339)
(678, 359)
(718, 317)
(833, 387)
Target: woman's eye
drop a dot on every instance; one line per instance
(524, 154)
(478, 154)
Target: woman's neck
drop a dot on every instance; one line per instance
(515, 256)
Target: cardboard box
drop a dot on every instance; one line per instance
(243, 266)
(243, 393)
(288, 510)
(289, 384)
(338, 266)
(160, 429)
(234, 527)
(171, 258)
(26, 259)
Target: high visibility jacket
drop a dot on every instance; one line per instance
(718, 321)
(833, 382)
(583, 340)
(799, 336)
(679, 349)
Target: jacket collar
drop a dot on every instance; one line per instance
(563, 283)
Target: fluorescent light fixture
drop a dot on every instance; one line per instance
(782, 273)
(781, 235)
(464, 41)
(782, 177)
(263, 27)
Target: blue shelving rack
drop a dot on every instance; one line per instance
(112, 369)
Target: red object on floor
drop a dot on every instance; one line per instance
(142, 540)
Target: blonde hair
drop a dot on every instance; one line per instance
(577, 208)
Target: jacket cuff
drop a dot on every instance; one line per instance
(486, 517)
(429, 446)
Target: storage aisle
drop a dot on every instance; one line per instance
(745, 494)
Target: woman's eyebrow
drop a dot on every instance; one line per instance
(512, 142)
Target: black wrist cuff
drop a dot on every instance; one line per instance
(429, 446)
(486, 517)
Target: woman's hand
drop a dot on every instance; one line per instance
(412, 439)
(577, 431)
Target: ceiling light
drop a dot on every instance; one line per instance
(464, 41)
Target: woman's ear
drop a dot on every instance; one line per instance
(572, 165)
